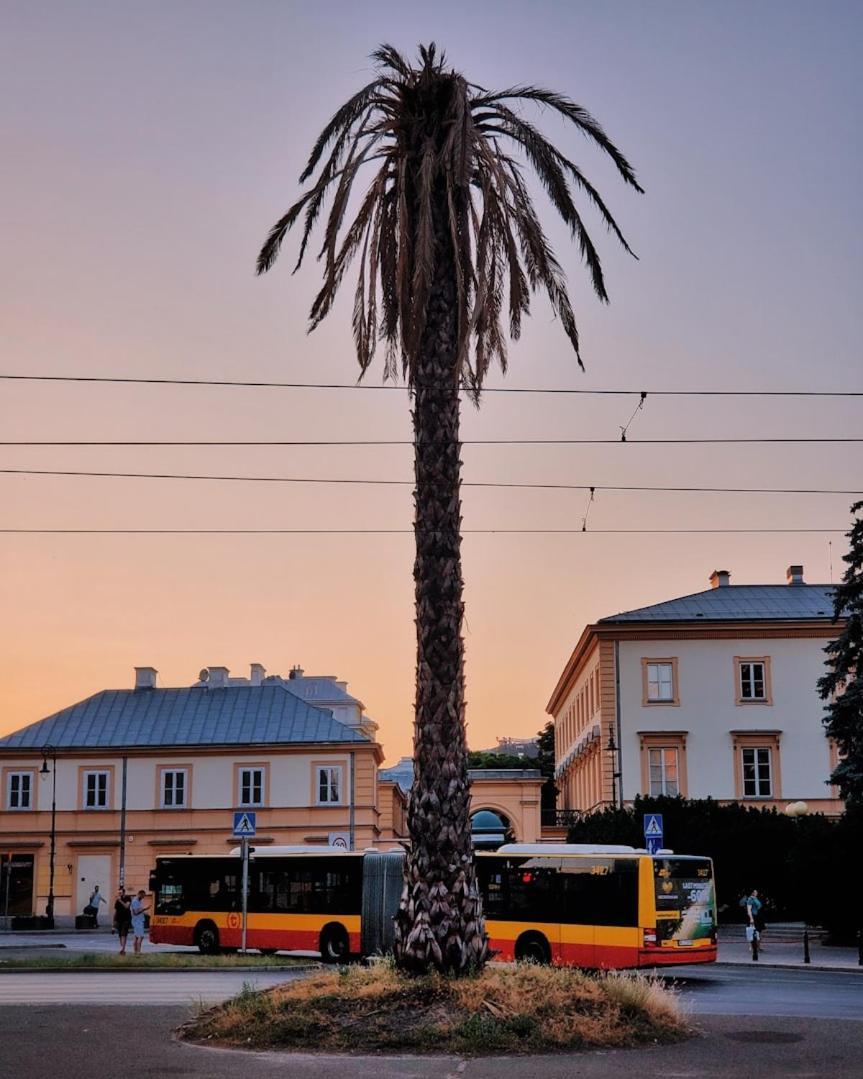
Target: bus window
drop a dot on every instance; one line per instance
(600, 891)
(517, 890)
(308, 886)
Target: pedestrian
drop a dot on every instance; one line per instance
(92, 908)
(137, 909)
(122, 917)
(754, 912)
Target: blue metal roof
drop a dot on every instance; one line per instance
(235, 715)
(739, 602)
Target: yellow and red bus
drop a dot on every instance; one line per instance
(590, 906)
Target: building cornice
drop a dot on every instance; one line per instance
(696, 629)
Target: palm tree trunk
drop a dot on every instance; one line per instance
(440, 923)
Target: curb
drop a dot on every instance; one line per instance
(786, 966)
(157, 970)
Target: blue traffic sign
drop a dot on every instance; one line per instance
(245, 824)
(653, 831)
(653, 825)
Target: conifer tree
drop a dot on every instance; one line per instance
(843, 685)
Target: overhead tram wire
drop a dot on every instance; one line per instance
(409, 442)
(368, 387)
(410, 531)
(349, 481)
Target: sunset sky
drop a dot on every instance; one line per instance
(148, 147)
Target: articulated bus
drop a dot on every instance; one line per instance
(589, 906)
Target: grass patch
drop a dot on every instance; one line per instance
(146, 961)
(516, 1009)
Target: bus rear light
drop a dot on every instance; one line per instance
(650, 940)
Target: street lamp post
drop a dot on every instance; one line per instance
(614, 750)
(50, 751)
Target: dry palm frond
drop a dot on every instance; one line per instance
(441, 141)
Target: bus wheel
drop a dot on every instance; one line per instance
(335, 946)
(207, 938)
(532, 947)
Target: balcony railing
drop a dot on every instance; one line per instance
(560, 818)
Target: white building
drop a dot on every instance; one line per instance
(712, 694)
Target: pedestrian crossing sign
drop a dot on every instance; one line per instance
(245, 824)
(653, 826)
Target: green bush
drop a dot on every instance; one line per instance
(805, 868)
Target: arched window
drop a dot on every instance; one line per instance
(489, 829)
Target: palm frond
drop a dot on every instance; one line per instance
(448, 198)
(341, 121)
(578, 115)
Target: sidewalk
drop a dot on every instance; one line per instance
(789, 955)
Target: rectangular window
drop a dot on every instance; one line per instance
(752, 682)
(663, 772)
(19, 791)
(660, 682)
(174, 788)
(95, 790)
(757, 772)
(251, 787)
(329, 785)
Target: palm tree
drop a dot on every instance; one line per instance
(447, 237)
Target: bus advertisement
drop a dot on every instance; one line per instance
(599, 907)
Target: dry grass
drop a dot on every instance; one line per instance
(520, 1009)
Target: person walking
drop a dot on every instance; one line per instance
(122, 917)
(137, 909)
(754, 908)
(92, 908)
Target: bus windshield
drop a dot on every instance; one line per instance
(685, 898)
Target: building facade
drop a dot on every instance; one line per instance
(132, 774)
(712, 694)
(106, 786)
(504, 802)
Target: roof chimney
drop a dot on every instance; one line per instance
(145, 677)
(720, 578)
(794, 575)
(218, 677)
(296, 672)
(258, 671)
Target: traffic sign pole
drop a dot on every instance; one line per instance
(245, 853)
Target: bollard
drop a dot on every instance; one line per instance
(806, 958)
(860, 948)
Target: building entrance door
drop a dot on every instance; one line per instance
(93, 869)
(16, 884)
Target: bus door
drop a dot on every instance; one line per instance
(577, 929)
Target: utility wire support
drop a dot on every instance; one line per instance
(368, 387)
(638, 408)
(590, 500)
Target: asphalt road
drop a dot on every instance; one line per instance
(770, 991)
(38, 1042)
(720, 990)
(752, 1021)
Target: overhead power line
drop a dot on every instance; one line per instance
(562, 390)
(409, 442)
(407, 531)
(410, 483)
